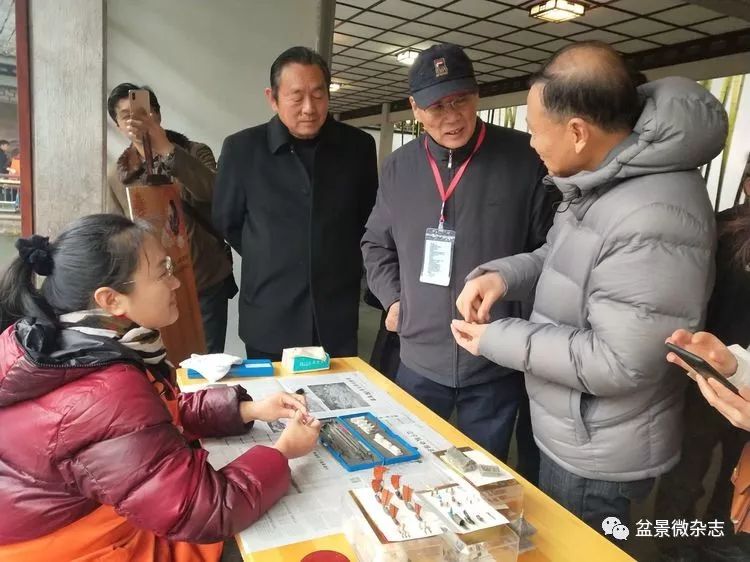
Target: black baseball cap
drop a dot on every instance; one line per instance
(440, 71)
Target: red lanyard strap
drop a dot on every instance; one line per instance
(445, 195)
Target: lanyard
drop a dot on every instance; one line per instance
(445, 195)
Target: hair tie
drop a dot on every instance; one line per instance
(36, 252)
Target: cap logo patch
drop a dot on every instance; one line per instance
(441, 69)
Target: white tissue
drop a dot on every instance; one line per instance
(313, 352)
(212, 366)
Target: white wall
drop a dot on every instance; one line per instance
(208, 62)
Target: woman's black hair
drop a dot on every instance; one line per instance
(92, 252)
(736, 233)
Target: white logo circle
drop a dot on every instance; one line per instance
(609, 524)
(621, 532)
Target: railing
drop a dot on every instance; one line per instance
(10, 188)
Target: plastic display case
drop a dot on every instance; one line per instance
(495, 544)
(503, 493)
(371, 546)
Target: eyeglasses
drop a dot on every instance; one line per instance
(168, 271)
(441, 108)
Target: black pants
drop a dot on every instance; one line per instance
(231, 552)
(253, 353)
(257, 354)
(485, 412)
(213, 303)
(528, 452)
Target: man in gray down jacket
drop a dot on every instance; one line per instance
(628, 260)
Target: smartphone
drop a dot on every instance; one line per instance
(140, 100)
(701, 366)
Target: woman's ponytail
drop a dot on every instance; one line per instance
(19, 296)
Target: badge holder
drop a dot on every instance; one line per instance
(438, 254)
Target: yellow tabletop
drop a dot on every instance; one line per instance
(560, 536)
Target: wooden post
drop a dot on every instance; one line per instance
(161, 206)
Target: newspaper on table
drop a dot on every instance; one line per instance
(312, 507)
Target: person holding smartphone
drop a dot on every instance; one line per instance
(733, 362)
(683, 488)
(137, 113)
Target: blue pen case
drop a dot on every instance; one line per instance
(248, 368)
(387, 449)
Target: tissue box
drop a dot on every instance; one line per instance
(305, 359)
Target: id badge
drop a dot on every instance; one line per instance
(438, 256)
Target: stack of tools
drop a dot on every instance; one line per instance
(361, 441)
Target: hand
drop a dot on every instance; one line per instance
(142, 124)
(391, 319)
(735, 408)
(299, 437)
(468, 335)
(279, 405)
(704, 345)
(478, 296)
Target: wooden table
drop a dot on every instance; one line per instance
(560, 537)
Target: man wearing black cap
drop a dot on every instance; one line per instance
(463, 192)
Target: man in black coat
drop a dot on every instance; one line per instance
(292, 197)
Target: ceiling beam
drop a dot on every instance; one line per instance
(736, 8)
(705, 69)
(670, 55)
(326, 18)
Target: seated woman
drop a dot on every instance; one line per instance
(95, 461)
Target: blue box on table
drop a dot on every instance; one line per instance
(248, 368)
(381, 456)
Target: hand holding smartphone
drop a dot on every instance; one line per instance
(140, 105)
(140, 102)
(701, 366)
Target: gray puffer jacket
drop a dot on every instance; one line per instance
(627, 263)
